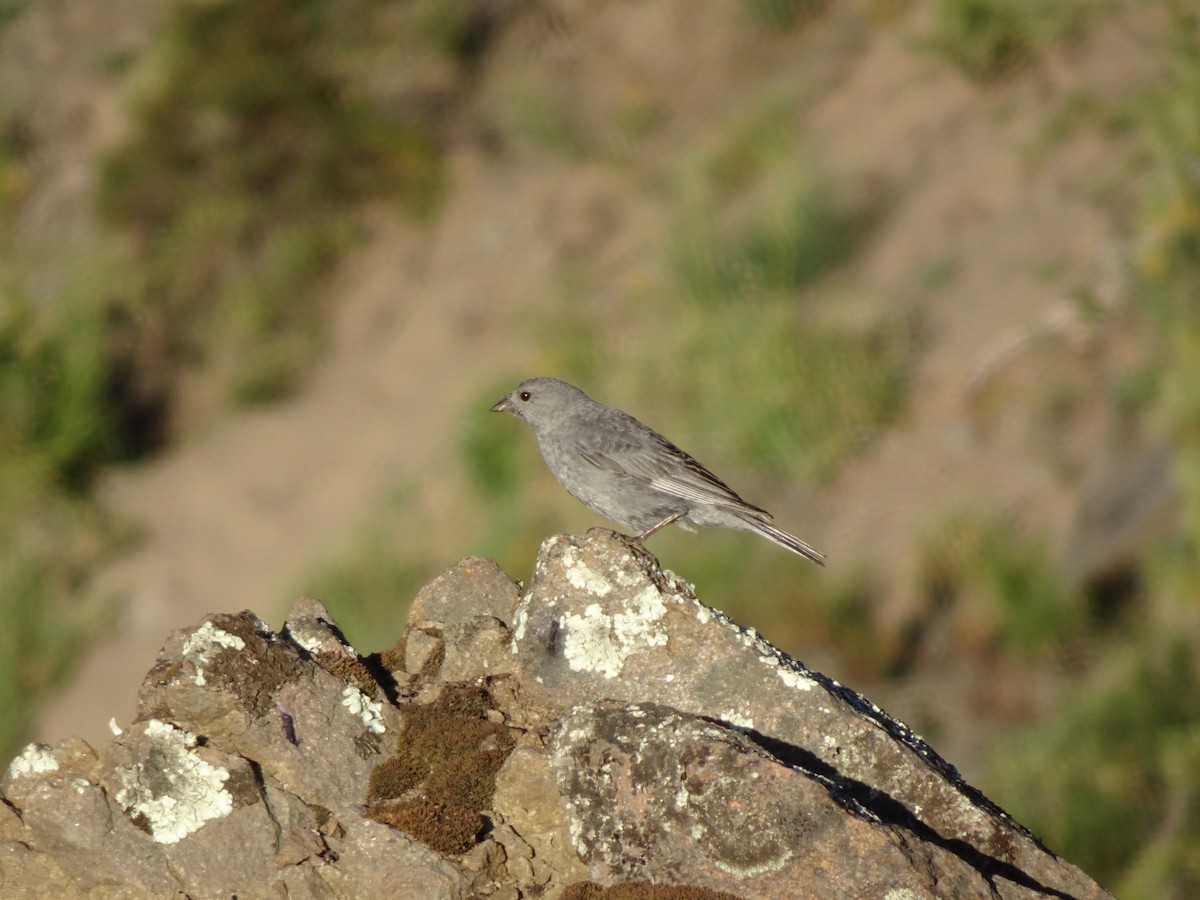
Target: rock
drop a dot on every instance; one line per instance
(658, 795)
(537, 827)
(601, 621)
(264, 697)
(604, 731)
(474, 587)
(458, 623)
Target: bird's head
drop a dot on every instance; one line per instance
(542, 401)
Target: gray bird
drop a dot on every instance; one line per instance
(613, 464)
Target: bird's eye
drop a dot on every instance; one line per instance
(524, 395)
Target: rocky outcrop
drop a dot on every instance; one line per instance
(602, 734)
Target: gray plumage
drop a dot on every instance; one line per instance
(629, 473)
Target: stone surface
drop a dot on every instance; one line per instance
(601, 621)
(536, 833)
(658, 795)
(474, 587)
(634, 736)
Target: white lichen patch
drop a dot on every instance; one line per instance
(628, 577)
(310, 643)
(172, 788)
(747, 871)
(737, 720)
(794, 678)
(587, 579)
(522, 618)
(203, 643)
(599, 642)
(578, 832)
(583, 577)
(791, 673)
(682, 798)
(367, 710)
(681, 585)
(35, 759)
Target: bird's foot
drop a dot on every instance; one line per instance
(649, 562)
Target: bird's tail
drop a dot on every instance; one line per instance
(780, 537)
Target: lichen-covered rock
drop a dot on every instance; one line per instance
(244, 777)
(604, 730)
(600, 620)
(658, 795)
(265, 697)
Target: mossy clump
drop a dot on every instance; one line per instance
(432, 736)
(394, 777)
(351, 670)
(433, 664)
(446, 829)
(443, 773)
(463, 699)
(468, 779)
(392, 659)
(634, 890)
(321, 813)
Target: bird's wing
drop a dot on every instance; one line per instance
(664, 467)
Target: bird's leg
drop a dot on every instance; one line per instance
(641, 538)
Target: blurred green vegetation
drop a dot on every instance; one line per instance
(989, 39)
(542, 115)
(1119, 766)
(999, 588)
(782, 13)
(254, 147)
(53, 380)
(52, 543)
(799, 236)
(55, 431)
(1110, 782)
(795, 391)
(251, 151)
(369, 581)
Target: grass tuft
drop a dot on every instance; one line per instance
(1116, 789)
(1000, 586)
(785, 246)
(990, 39)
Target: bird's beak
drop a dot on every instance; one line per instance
(503, 406)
